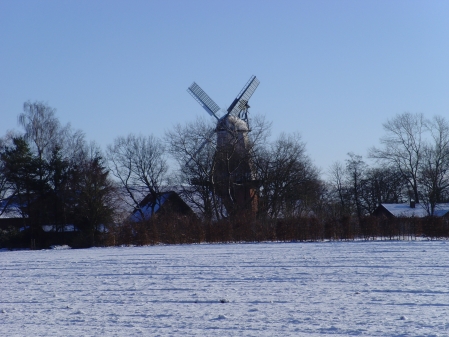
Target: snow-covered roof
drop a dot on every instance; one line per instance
(9, 211)
(419, 211)
(147, 209)
(182, 194)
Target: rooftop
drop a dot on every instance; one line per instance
(419, 211)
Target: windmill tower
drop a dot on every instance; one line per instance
(234, 176)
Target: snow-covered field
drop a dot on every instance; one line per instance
(269, 289)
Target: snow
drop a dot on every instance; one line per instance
(377, 288)
(60, 247)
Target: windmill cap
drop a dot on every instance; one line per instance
(233, 123)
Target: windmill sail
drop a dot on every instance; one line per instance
(241, 101)
(203, 99)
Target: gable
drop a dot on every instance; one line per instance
(168, 202)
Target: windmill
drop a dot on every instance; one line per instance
(233, 175)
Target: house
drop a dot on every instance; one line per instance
(10, 215)
(409, 210)
(164, 203)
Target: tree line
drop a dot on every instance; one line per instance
(51, 176)
(411, 165)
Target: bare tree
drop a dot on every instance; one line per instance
(73, 144)
(359, 189)
(355, 171)
(289, 180)
(196, 169)
(338, 189)
(382, 185)
(260, 131)
(42, 129)
(140, 165)
(403, 147)
(434, 169)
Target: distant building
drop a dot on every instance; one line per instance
(13, 215)
(10, 214)
(165, 203)
(410, 210)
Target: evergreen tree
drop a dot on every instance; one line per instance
(94, 206)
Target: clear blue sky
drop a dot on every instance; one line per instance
(333, 71)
